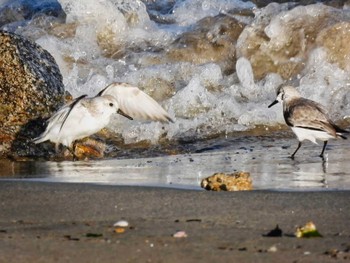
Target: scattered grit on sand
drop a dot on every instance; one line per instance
(43, 222)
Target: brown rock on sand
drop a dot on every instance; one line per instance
(238, 181)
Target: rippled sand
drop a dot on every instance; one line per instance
(266, 157)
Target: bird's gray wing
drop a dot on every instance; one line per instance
(308, 114)
(64, 115)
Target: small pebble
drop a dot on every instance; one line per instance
(119, 230)
(180, 234)
(272, 249)
(121, 223)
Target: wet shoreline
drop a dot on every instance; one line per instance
(266, 158)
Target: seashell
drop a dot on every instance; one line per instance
(121, 223)
(180, 234)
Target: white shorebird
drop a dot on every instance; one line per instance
(78, 119)
(136, 103)
(307, 119)
(85, 116)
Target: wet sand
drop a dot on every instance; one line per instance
(61, 222)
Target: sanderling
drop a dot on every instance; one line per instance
(85, 116)
(136, 103)
(308, 119)
(78, 119)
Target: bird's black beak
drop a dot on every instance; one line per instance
(119, 111)
(273, 103)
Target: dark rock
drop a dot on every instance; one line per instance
(20, 10)
(276, 232)
(31, 88)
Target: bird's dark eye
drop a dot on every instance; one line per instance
(111, 104)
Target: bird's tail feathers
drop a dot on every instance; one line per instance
(340, 132)
(40, 139)
(340, 135)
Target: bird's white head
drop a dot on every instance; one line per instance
(108, 103)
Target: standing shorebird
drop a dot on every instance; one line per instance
(307, 119)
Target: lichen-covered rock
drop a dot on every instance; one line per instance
(31, 88)
(238, 181)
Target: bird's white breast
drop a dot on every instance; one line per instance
(311, 135)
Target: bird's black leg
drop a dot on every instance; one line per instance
(324, 148)
(72, 151)
(299, 145)
(75, 158)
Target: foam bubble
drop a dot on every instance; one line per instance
(190, 11)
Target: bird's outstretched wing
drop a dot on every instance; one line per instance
(136, 103)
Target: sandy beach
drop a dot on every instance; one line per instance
(62, 222)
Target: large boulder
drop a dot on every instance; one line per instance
(31, 88)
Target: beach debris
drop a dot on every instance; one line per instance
(70, 238)
(89, 148)
(341, 253)
(120, 226)
(119, 230)
(276, 232)
(194, 220)
(272, 249)
(121, 223)
(93, 235)
(309, 230)
(180, 234)
(332, 252)
(238, 181)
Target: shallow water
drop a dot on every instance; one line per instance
(265, 157)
